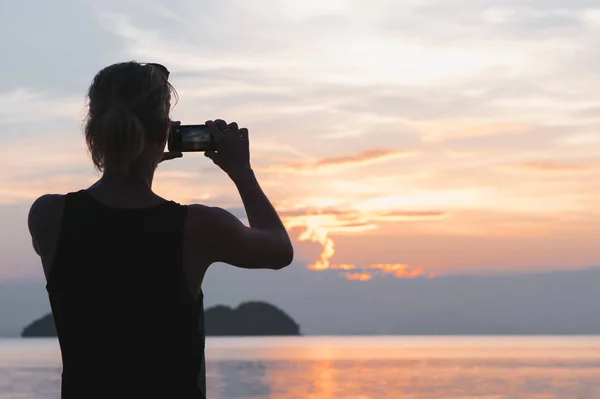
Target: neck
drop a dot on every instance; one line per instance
(136, 179)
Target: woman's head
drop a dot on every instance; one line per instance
(128, 116)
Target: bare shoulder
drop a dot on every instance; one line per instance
(209, 220)
(44, 221)
(212, 228)
(44, 210)
(204, 213)
(202, 239)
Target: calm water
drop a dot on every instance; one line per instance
(357, 368)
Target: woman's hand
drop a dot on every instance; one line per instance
(233, 147)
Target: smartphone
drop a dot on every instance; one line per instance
(190, 138)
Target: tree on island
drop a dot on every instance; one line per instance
(248, 319)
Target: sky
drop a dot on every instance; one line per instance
(397, 139)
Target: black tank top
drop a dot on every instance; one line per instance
(127, 324)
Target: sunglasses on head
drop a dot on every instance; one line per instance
(161, 68)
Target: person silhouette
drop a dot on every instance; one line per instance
(124, 266)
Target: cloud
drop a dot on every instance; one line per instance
(452, 129)
(39, 164)
(43, 57)
(317, 225)
(365, 118)
(359, 276)
(374, 270)
(340, 163)
(479, 21)
(554, 167)
(580, 139)
(400, 270)
(26, 106)
(410, 215)
(333, 218)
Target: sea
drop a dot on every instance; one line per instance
(352, 367)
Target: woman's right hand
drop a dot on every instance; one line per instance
(233, 147)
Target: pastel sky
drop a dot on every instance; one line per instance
(396, 138)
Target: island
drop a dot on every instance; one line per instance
(248, 319)
(42, 327)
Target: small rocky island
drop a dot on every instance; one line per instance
(248, 319)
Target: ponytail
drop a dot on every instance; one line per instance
(115, 138)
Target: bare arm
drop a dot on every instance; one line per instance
(265, 244)
(261, 213)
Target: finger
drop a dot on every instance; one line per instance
(233, 126)
(221, 124)
(243, 133)
(213, 128)
(210, 154)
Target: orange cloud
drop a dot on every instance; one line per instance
(359, 276)
(554, 166)
(365, 157)
(343, 267)
(352, 216)
(314, 234)
(410, 215)
(286, 213)
(401, 270)
(316, 227)
(398, 270)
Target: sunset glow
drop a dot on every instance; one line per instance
(397, 139)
